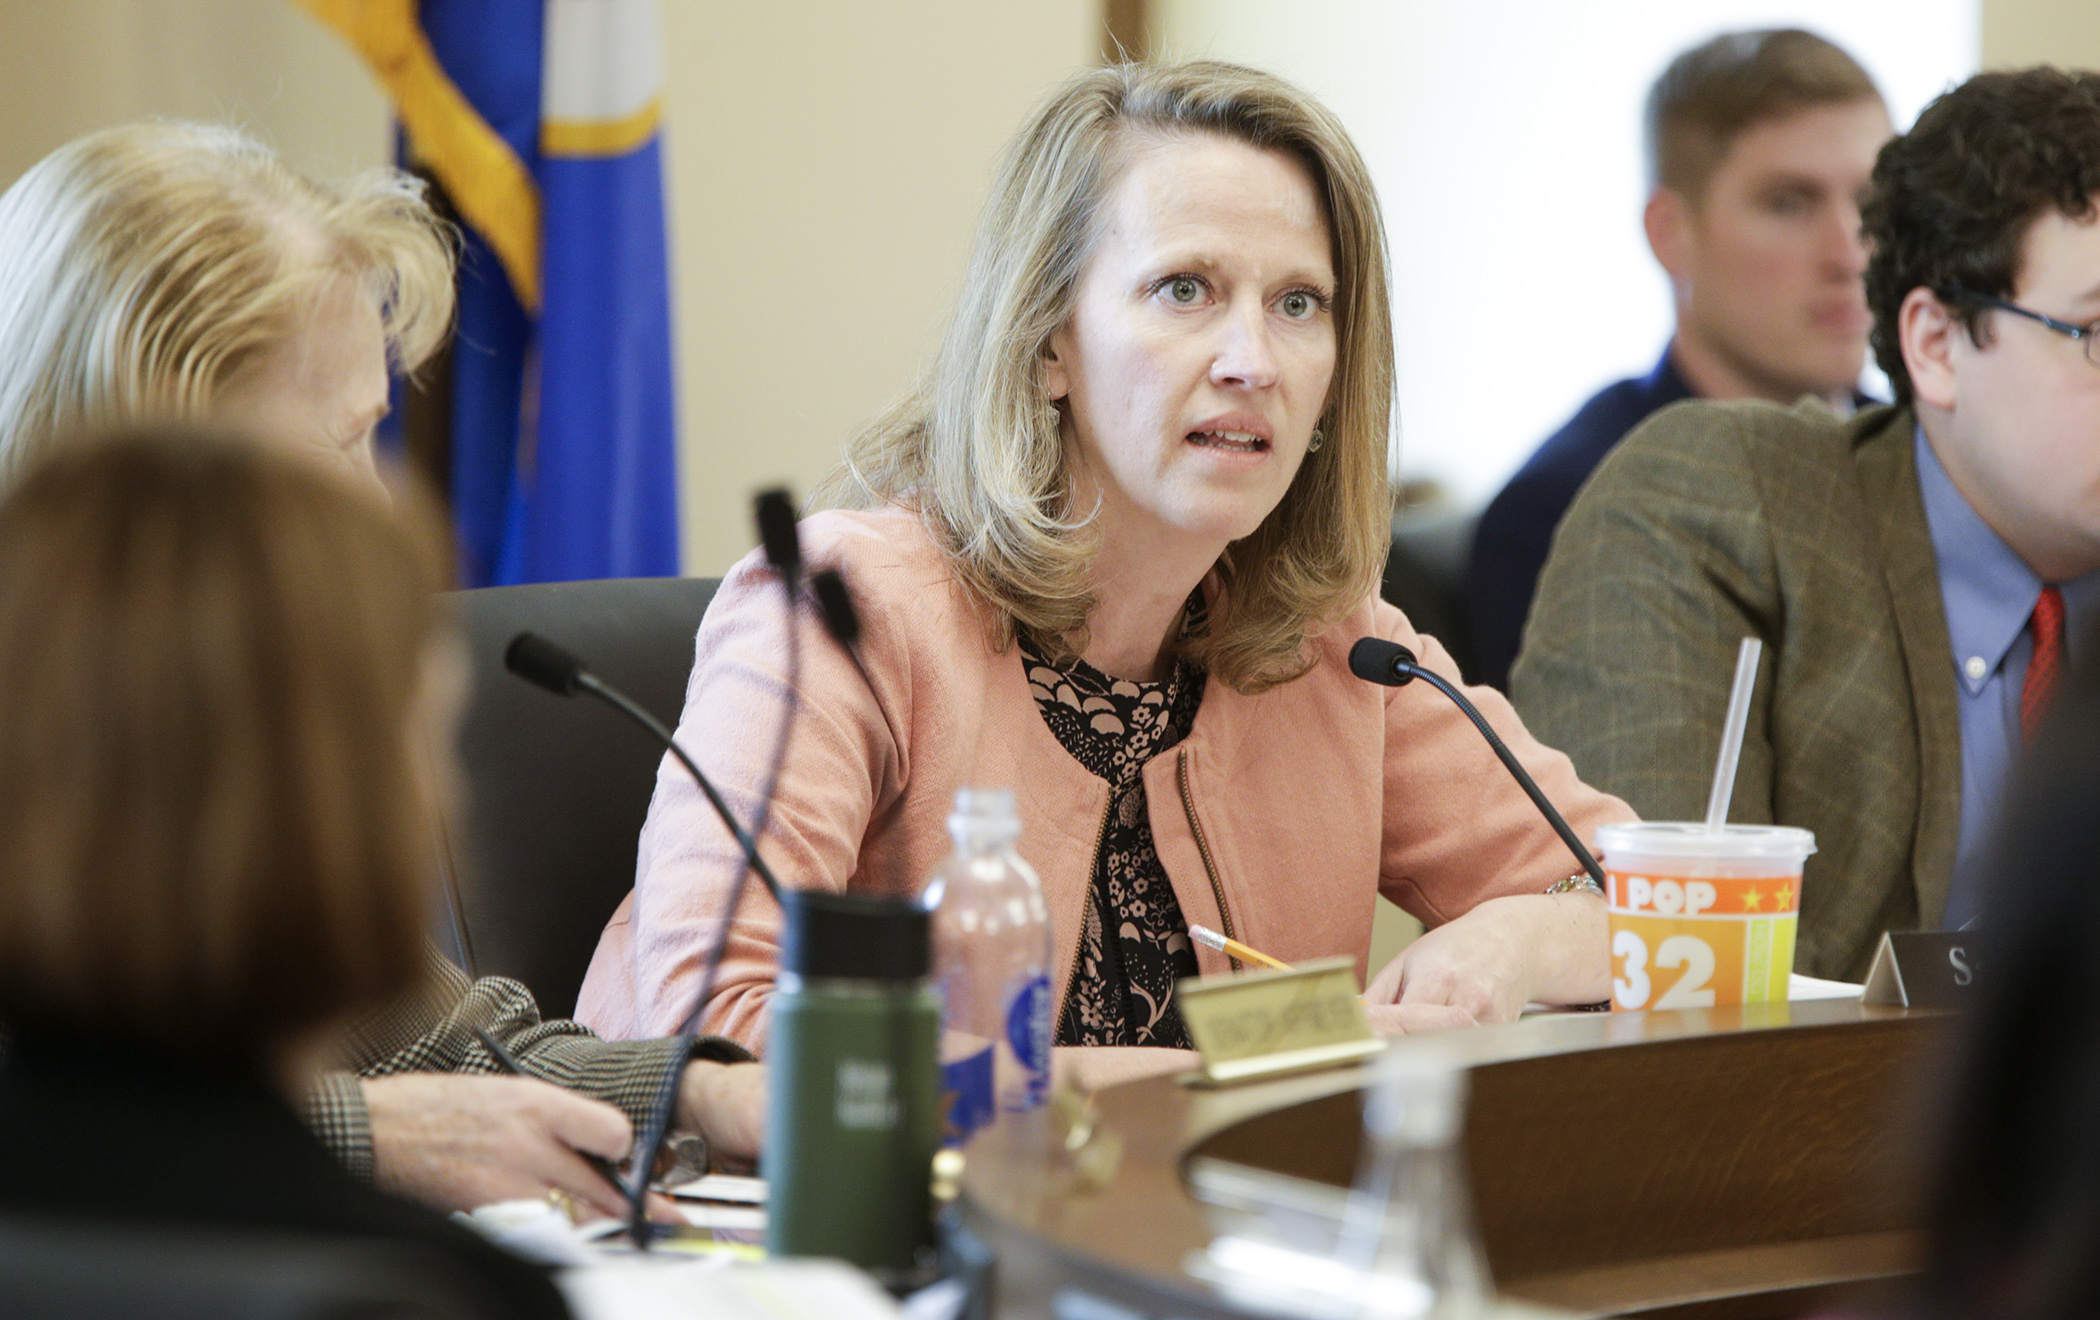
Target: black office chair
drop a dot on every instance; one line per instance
(92, 1270)
(1425, 575)
(557, 789)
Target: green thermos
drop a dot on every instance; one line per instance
(853, 1116)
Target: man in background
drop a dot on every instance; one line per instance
(1919, 574)
(1759, 147)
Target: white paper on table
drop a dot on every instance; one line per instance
(533, 1229)
(727, 1218)
(658, 1288)
(740, 1218)
(720, 1187)
(1799, 987)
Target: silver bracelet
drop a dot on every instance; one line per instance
(1576, 884)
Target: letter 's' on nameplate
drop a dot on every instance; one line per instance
(1265, 1024)
(1923, 969)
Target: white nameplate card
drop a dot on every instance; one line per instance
(1265, 1024)
(1923, 969)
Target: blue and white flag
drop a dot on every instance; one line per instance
(542, 118)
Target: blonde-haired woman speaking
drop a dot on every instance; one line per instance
(1115, 551)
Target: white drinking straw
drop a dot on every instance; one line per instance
(1732, 734)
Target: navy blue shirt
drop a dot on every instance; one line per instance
(1516, 531)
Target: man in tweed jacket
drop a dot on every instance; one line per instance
(1874, 557)
(421, 1110)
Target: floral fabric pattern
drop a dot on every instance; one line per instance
(1134, 945)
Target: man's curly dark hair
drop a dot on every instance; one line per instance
(1952, 200)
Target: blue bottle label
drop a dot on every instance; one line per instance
(966, 1097)
(1028, 1034)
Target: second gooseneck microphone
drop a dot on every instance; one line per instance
(1377, 660)
(549, 666)
(544, 664)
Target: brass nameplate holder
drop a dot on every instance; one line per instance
(1265, 1024)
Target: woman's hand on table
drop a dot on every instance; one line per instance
(1415, 1019)
(1489, 963)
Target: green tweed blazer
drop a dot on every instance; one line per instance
(1716, 521)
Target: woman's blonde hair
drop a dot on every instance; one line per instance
(214, 826)
(976, 447)
(142, 267)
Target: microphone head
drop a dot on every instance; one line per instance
(543, 664)
(1376, 660)
(775, 512)
(835, 603)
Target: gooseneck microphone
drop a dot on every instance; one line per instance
(774, 512)
(544, 664)
(1377, 660)
(835, 603)
(547, 665)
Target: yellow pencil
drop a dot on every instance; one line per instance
(1204, 935)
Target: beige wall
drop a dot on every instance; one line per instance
(74, 65)
(827, 164)
(2022, 32)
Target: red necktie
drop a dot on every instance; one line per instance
(2045, 664)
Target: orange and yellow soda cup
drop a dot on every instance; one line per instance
(1701, 919)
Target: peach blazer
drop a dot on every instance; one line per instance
(1276, 819)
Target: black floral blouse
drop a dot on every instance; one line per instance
(1135, 945)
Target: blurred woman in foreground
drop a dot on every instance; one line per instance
(2015, 1214)
(223, 669)
(1116, 550)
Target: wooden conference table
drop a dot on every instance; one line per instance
(1719, 1163)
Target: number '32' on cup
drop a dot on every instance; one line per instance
(1701, 919)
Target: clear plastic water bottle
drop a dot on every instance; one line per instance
(1409, 1225)
(992, 958)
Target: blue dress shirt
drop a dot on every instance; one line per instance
(1988, 592)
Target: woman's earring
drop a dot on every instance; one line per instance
(1051, 420)
(1318, 438)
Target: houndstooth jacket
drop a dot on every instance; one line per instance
(433, 1031)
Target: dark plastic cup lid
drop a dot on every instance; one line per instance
(854, 936)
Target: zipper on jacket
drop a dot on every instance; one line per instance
(1079, 939)
(1217, 887)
